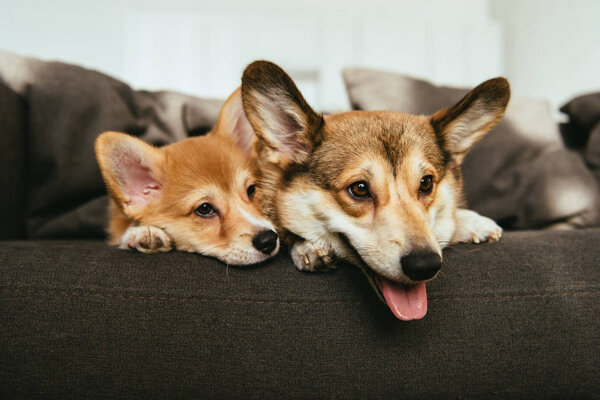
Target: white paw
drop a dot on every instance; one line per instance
(474, 228)
(308, 256)
(146, 239)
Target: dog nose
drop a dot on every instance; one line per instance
(420, 266)
(265, 242)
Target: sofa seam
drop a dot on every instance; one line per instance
(107, 295)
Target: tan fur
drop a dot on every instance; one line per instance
(118, 223)
(207, 169)
(306, 171)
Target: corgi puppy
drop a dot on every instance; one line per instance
(195, 195)
(379, 189)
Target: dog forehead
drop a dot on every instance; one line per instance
(383, 135)
(210, 159)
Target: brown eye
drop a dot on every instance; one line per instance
(205, 210)
(426, 185)
(250, 191)
(359, 190)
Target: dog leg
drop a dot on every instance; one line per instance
(474, 228)
(309, 256)
(146, 239)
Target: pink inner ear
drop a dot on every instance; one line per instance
(242, 132)
(140, 185)
(284, 127)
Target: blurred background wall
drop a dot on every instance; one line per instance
(547, 48)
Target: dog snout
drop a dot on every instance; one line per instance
(265, 241)
(421, 265)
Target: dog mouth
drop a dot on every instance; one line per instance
(406, 301)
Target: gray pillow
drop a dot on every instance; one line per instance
(519, 174)
(592, 152)
(583, 128)
(583, 112)
(12, 164)
(67, 107)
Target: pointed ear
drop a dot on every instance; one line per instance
(282, 120)
(459, 127)
(233, 123)
(131, 170)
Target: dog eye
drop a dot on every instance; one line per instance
(359, 190)
(251, 190)
(426, 185)
(205, 210)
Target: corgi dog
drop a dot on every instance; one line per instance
(379, 189)
(195, 195)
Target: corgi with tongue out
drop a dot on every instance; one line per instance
(381, 189)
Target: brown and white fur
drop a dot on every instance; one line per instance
(195, 195)
(381, 189)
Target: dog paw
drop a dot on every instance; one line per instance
(146, 239)
(474, 228)
(308, 256)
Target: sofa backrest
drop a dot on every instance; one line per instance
(54, 112)
(12, 164)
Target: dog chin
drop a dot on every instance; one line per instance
(242, 257)
(407, 301)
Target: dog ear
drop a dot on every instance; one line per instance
(282, 120)
(131, 170)
(232, 122)
(459, 127)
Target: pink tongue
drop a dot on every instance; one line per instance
(406, 302)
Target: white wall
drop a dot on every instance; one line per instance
(201, 47)
(552, 47)
(546, 47)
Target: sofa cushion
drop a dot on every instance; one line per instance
(514, 319)
(592, 152)
(68, 107)
(584, 113)
(12, 164)
(519, 174)
(583, 127)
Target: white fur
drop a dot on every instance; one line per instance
(469, 127)
(308, 256)
(317, 218)
(261, 223)
(135, 235)
(242, 256)
(442, 214)
(321, 243)
(475, 228)
(274, 110)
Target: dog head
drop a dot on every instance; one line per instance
(381, 187)
(199, 190)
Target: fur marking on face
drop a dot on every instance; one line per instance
(194, 195)
(380, 189)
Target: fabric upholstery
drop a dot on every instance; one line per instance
(520, 174)
(583, 112)
(67, 108)
(592, 152)
(516, 319)
(583, 127)
(12, 164)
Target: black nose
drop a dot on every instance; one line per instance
(420, 266)
(265, 242)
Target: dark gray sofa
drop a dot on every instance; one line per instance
(515, 319)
